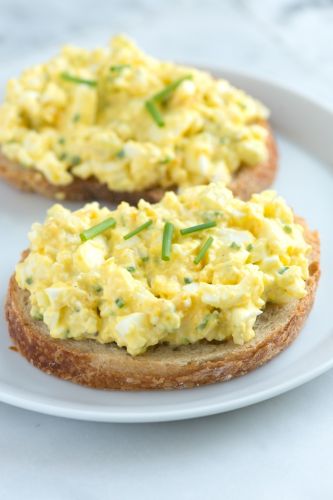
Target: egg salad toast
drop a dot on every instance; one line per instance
(198, 288)
(115, 124)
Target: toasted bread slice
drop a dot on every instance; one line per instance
(107, 366)
(246, 181)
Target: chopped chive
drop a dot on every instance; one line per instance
(120, 154)
(119, 302)
(167, 240)
(164, 94)
(38, 317)
(154, 112)
(249, 247)
(204, 322)
(29, 280)
(138, 229)
(234, 246)
(76, 79)
(76, 117)
(98, 229)
(76, 160)
(119, 67)
(145, 258)
(241, 105)
(166, 160)
(287, 229)
(203, 250)
(225, 140)
(63, 156)
(207, 216)
(210, 316)
(199, 227)
(283, 270)
(98, 289)
(61, 140)
(188, 280)
(131, 269)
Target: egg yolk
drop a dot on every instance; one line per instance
(114, 285)
(129, 120)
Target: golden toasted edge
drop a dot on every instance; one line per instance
(162, 367)
(247, 180)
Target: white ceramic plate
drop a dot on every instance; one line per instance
(305, 179)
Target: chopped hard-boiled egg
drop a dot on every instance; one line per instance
(121, 276)
(129, 120)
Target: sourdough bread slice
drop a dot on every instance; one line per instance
(246, 181)
(107, 366)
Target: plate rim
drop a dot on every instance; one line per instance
(130, 417)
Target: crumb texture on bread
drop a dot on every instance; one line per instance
(162, 367)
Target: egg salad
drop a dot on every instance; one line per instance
(198, 265)
(131, 121)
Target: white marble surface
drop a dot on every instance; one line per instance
(280, 449)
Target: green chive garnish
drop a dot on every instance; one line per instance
(169, 89)
(138, 229)
(207, 216)
(167, 240)
(131, 269)
(241, 105)
(204, 322)
(119, 67)
(154, 112)
(283, 270)
(188, 280)
(98, 229)
(77, 79)
(249, 247)
(38, 317)
(166, 160)
(234, 246)
(287, 229)
(98, 289)
(162, 96)
(76, 118)
(76, 160)
(203, 250)
(29, 280)
(145, 258)
(119, 302)
(61, 140)
(120, 154)
(63, 156)
(199, 227)
(224, 140)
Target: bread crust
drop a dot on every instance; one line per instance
(107, 366)
(247, 180)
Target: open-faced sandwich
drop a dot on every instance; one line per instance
(116, 124)
(198, 288)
